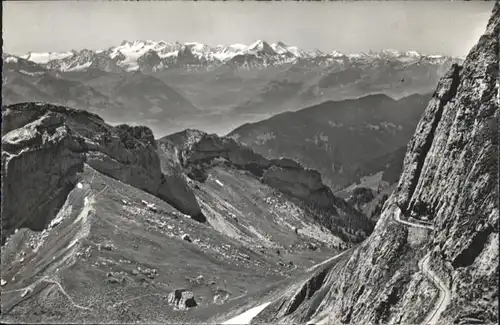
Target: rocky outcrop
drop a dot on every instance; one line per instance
(44, 147)
(177, 189)
(40, 177)
(302, 183)
(182, 299)
(450, 172)
(197, 152)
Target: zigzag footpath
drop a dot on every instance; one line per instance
(431, 318)
(444, 293)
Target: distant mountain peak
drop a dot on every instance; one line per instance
(262, 46)
(280, 47)
(258, 44)
(280, 43)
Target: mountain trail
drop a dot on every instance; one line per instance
(444, 294)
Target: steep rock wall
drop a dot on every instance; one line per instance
(450, 178)
(44, 148)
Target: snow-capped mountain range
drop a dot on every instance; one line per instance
(158, 55)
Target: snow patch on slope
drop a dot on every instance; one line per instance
(11, 59)
(80, 67)
(246, 317)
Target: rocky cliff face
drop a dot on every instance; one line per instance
(45, 146)
(449, 182)
(198, 151)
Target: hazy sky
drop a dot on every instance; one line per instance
(449, 28)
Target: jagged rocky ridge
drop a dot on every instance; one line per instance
(197, 151)
(52, 143)
(450, 177)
